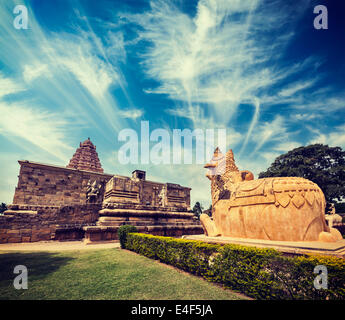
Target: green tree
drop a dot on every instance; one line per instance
(340, 207)
(319, 163)
(197, 209)
(3, 208)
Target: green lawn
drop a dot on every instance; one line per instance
(101, 274)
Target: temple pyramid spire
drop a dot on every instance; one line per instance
(86, 158)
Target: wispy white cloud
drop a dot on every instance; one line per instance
(8, 177)
(40, 128)
(306, 116)
(68, 72)
(273, 131)
(36, 70)
(213, 62)
(89, 70)
(252, 125)
(335, 138)
(130, 113)
(327, 104)
(283, 147)
(296, 87)
(8, 86)
(77, 55)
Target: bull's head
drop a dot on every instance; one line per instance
(224, 165)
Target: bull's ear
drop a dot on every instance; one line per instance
(247, 175)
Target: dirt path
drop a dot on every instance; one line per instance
(56, 246)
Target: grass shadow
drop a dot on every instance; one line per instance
(38, 264)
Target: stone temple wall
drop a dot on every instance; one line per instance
(37, 223)
(121, 189)
(48, 201)
(40, 184)
(152, 207)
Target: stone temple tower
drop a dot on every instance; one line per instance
(86, 158)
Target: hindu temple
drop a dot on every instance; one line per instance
(80, 201)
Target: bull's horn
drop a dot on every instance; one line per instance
(210, 165)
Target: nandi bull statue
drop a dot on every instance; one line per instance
(280, 208)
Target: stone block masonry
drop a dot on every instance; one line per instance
(147, 193)
(22, 223)
(153, 220)
(47, 185)
(86, 158)
(49, 203)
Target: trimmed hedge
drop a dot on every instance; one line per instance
(257, 272)
(123, 231)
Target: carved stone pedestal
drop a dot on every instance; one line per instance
(152, 220)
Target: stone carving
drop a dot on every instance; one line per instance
(333, 219)
(162, 197)
(93, 191)
(280, 208)
(120, 189)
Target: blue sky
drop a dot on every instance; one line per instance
(93, 68)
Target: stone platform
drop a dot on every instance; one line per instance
(336, 249)
(151, 220)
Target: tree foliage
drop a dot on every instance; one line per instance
(340, 207)
(197, 209)
(319, 163)
(3, 207)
